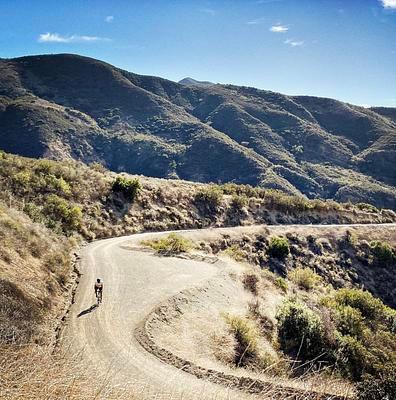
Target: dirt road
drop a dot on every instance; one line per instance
(135, 282)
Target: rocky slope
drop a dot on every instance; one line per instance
(68, 106)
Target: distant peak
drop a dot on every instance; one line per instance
(190, 81)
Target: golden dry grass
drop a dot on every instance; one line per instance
(32, 373)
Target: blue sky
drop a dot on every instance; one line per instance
(344, 49)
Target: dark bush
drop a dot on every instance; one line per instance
(383, 253)
(278, 247)
(300, 330)
(383, 388)
(209, 200)
(129, 187)
(239, 202)
(352, 356)
(250, 281)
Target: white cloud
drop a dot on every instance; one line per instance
(294, 43)
(279, 28)
(256, 21)
(56, 38)
(109, 18)
(389, 3)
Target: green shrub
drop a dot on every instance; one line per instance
(281, 283)
(352, 356)
(45, 166)
(350, 321)
(367, 207)
(383, 388)
(59, 185)
(300, 330)
(58, 209)
(369, 306)
(383, 252)
(238, 202)
(305, 278)
(246, 335)
(210, 199)
(129, 187)
(22, 179)
(34, 212)
(278, 247)
(170, 244)
(235, 252)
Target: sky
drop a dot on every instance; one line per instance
(343, 49)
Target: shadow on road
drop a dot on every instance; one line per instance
(88, 310)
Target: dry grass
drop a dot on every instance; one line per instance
(304, 278)
(33, 373)
(170, 244)
(34, 272)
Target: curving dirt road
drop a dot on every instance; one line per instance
(135, 282)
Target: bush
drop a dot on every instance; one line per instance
(300, 330)
(210, 199)
(370, 307)
(352, 356)
(350, 321)
(383, 253)
(367, 207)
(250, 281)
(246, 335)
(278, 247)
(383, 388)
(129, 187)
(59, 209)
(305, 278)
(281, 283)
(235, 252)
(239, 202)
(170, 244)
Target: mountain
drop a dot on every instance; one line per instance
(67, 106)
(190, 81)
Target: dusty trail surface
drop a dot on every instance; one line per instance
(135, 283)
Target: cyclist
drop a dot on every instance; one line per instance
(98, 287)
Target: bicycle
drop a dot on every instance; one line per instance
(99, 297)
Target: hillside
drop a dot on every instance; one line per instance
(48, 207)
(67, 106)
(190, 81)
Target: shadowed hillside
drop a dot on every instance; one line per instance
(67, 106)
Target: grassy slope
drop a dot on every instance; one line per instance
(351, 332)
(71, 197)
(35, 272)
(51, 200)
(46, 206)
(151, 126)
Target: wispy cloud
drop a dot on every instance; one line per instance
(294, 43)
(389, 4)
(109, 18)
(256, 21)
(279, 28)
(209, 11)
(56, 38)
